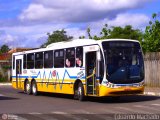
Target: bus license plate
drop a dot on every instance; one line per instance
(127, 89)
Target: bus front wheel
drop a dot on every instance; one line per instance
(80, 92)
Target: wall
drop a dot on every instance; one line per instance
(152, 69)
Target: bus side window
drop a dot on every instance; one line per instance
(70, 57)
(59, 58)
(30, 61)
(48, 59)
(24, 61)
(79, 56)
(39, 60)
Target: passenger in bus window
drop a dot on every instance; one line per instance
(68, 63)
(78, 62)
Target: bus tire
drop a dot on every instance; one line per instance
(28, 87)
(81, 95)
(34, 88)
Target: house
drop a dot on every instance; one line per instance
(6, 62)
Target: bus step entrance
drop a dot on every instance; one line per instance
(91, 72)
(91, 90)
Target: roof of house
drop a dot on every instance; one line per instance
(7, 56)
(19, 50)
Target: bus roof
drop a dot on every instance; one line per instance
(118, 40)
(72, 43)
(76, 42)
(61, 45)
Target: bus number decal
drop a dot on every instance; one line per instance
(54, 73)
(80, 75)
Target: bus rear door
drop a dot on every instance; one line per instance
(19, 68)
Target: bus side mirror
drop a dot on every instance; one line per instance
(98, 56)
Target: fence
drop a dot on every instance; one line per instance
(152, 69)
(5, 74)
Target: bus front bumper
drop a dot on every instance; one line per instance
(120, 91)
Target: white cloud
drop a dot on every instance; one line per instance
(136, 20)
(27, 36)
(34, 36)
(77, 11)
(36, 11)
(76, 32)
(43, 16)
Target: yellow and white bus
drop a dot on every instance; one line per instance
(82, 67)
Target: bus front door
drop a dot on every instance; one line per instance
(91, 61)
(18, 73)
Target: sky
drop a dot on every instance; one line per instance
(25, 23)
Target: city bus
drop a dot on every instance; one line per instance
(81, 67)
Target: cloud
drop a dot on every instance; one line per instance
(34, 36)
(27, 36)
(73, 11)
(31, 25)
(137, 21)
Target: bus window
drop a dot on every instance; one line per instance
(59, 58)
(48, 59)
(30, 61)
(79, 56)
(39, 60)
(70, 57)
(24, 61)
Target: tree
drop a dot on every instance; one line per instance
(118, 32)
(151, 42)
(127, 33)
(57, 36)
(4, 49)
(89, 33)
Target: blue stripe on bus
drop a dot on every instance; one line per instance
(39, 74)
(72, 77)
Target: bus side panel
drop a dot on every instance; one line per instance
(55, 88)
(14, 84)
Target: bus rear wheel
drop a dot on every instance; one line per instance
(80, 92)
(34, 88)
(28, 87)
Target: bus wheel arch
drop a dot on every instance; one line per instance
(79, 90)
(34, 87)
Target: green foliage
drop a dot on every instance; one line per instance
(118, 32)
(89, 34)
(151, 42)
(6, 67)
(2, 79)
(4, 49)
(57, 36)
(81, 37)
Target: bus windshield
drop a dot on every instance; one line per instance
(124, 62)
